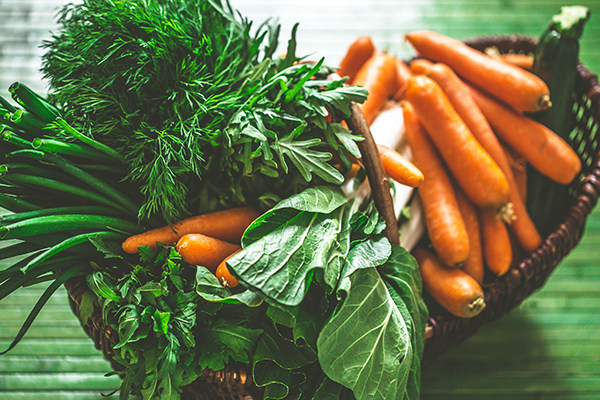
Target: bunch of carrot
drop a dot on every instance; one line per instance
(466, 127)
(207, 240)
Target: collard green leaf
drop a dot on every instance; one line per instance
(210, 289)
(368, 254)
(369, 358)
(401, 275)
(307, 241)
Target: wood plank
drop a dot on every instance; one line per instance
(13, 363)
(52, 347)
(58, 381)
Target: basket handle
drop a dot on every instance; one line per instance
(380, 186)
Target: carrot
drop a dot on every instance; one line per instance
(542, 148)
(445, 224)
(476, 172)
(224, 276)
(198, 249)
(420, 65)
(515, 86)
(357, 54)
(474, 264)
(399, 168)
(462, 101)
(518, 165)
(497, 246)
(452, 288)
(228, 225)
(379, 75)
(404, 73)
(524, 61)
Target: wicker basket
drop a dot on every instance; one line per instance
(506, 292)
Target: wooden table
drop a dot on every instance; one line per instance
(548, 349)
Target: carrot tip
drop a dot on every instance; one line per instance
(544, 102)
(476, 306)
(507, 213)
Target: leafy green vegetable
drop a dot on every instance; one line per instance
(194, 102)
(375, 359)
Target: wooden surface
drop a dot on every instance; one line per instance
(547, 349)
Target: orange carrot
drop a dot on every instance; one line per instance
(198, 249)
(444, 221)
(462, 101)
(420, 65)
(474, 264)
(452, 288)
(404, 73)
(542, 148)
(224, 276)
(379, 75)
(524, 61)
(357, 54)
(497, 246)
(476, 172)
(518, 165)
(399, 168)
(228, 225)
(515, 86)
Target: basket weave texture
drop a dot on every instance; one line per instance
(444, 331)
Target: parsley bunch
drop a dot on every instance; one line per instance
(188, 92)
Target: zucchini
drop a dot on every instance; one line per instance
(555, 61)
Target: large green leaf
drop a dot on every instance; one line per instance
(280, 266)
(401, 276)
(319, 199)
(366, 345)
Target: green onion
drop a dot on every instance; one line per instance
(66, 244)
(15, 204)
(7, 105)
(89, 141)
(70, 149)
(62, 187)
(94, 182)
(13, 138)
(65, 223)
(33, 102)
(20, 216)
(27, 121)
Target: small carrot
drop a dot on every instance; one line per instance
(497, 246)
(379, 75)
(515, 86)
(228, 225)
(455, 290)
(224, 276)
(357, 54)
(399, 168)
(462, 101)
(420, 66)
(524, 61)
(198, 249)
(444, 221)
(476, 172)
(542, 148)
(474, 264)
(404, 73)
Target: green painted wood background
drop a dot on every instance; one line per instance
(547, 349)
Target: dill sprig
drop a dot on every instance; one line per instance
(192, 98)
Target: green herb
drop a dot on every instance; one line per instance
(194, 102)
